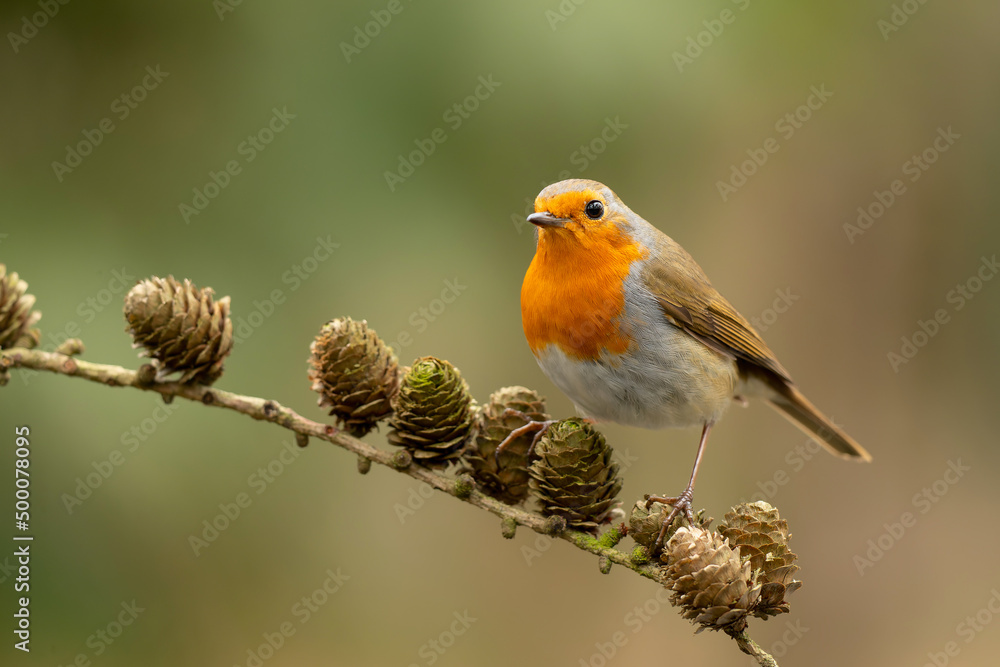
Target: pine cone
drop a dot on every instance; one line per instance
(574, 476)
(182, 328)
(507, 482)
(644, 525)
(16, 315)
(355, 373)
(433, 412)
(711, 584)
(761, 536)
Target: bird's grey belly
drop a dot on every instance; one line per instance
(666, 379)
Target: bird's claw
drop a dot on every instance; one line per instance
(679, 504)
(531, 425)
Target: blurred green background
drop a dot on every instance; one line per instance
(560, 74)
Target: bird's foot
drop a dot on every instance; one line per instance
(538, 427)
(680, 504)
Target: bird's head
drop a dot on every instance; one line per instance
(580, 210)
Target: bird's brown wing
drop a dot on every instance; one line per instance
(697, 308)
(690, 302)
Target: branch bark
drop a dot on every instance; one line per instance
(750, 647)
(272, 411)
(269, 410)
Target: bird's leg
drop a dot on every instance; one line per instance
(539, 427)
(681, 503)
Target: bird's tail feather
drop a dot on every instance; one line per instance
(790, 402)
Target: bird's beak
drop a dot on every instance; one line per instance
(546, 219)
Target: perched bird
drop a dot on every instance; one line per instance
(625, 322)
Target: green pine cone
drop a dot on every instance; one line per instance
(574, 475)
(433, 412)
(355, 373)
(508, 480)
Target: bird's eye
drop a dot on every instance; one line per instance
(594, 209)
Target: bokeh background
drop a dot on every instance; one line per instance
(561, 73)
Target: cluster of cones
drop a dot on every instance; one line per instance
(718, 578)
(431, 413)
(721, 577)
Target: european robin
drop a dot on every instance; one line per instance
(624, 321)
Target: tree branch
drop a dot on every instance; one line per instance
(272, 411)
(750, 647)
(268, 410)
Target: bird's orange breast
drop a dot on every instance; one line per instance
(573, 293)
